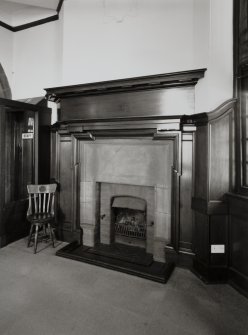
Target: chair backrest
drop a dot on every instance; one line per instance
(41, 198)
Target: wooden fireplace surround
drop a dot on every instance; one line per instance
(129, 108)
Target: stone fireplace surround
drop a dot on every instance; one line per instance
(140, 117)
(134, 167)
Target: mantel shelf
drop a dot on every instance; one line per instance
(168, 80)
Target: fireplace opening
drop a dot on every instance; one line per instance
(128, 218)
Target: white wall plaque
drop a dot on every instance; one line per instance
(27, 136)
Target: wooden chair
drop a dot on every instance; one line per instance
(41, 210)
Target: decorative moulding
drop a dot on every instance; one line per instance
(168, 80)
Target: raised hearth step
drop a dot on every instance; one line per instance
(123, 252)
(156, 271)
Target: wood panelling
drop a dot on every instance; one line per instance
(14, 220)
(213, 179)
(65, 174)
(64, 171)
(201, 154)
(2, 175)
(219, 235)
(238, 232)
(43, 147)
(239, 237)
(238, 204)
(141, 103)
(211, 230)
(240, 42)
(54, 155)
(201, 237)
(163, 94)
(243, 30)
(20, 163)
(27, 162)
(220, 157)
(186, 180)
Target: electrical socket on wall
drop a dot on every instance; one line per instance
(217, 248)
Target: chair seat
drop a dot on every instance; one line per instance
(40, 218)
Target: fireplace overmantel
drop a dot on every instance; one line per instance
(164, 95)
(173, 79)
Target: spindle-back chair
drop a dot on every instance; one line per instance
(41, 210)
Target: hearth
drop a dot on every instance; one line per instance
(131, 260)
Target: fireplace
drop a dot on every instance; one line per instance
(117, 154)
(128, 217)
(121, 183)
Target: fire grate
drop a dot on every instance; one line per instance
(130, 223)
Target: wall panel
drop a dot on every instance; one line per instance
(238, 254)
(65, 213)
(213, 179)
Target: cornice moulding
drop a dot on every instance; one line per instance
(168, 80)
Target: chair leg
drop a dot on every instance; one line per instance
(51, 234)
(54, 237)
(30, 235)
(44, 232)
(36, 238)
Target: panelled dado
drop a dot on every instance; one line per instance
(127, 133)
(214, 178)
(238, 252)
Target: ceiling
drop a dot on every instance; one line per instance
(18, 12)
(50, 4)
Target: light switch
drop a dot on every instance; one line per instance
(217, 248)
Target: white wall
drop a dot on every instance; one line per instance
(98, 40)
(108, 40)
(37, 60)
(6, 53)
(216, 51)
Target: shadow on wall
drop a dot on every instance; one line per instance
(5, 91)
